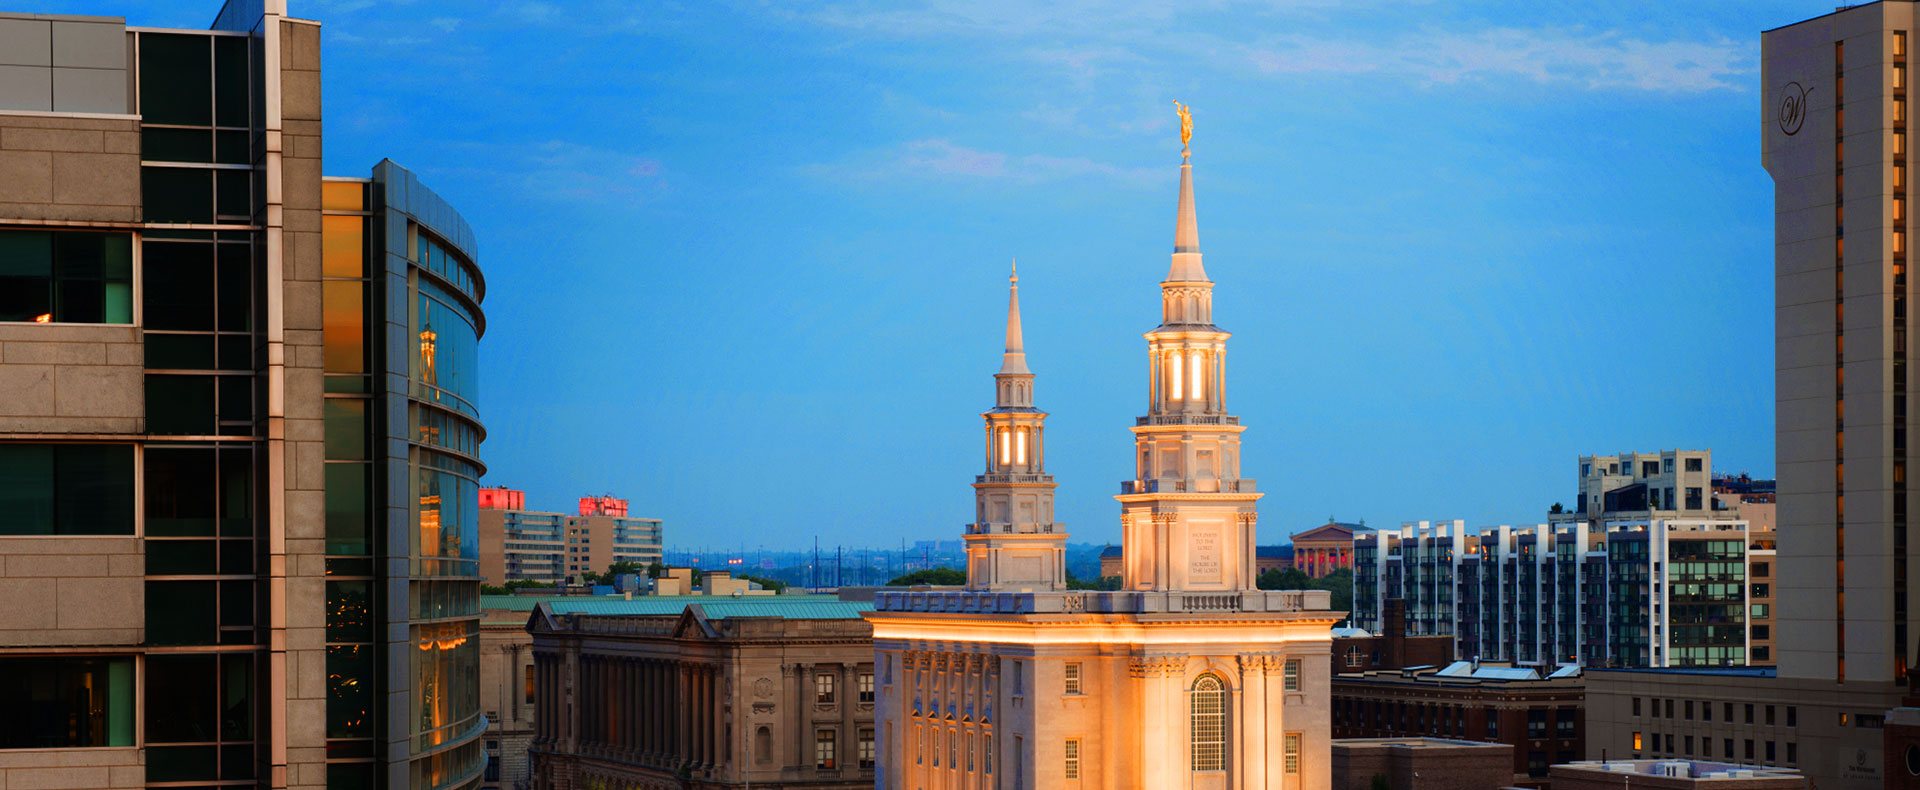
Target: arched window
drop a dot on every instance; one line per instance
(1207, 704)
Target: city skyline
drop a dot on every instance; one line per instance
(784, 214)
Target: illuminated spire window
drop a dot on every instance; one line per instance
(1006, 449)
(1199, 389)
(1175, 375)
(1020, 447)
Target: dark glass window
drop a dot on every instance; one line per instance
(178, 285)
(231, 106)
(54, 703)
(176, 79)
(177, 194)
(347, 523)
(79, 489)
(182, 704)
(66, 276)
(180, 352)
(181, 613)
(350, 691)
(180, 405)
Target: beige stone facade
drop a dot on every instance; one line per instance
(1186, 677)
(700, 693)
(507, 694)
(1830, 733)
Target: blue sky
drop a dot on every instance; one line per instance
(746, 262)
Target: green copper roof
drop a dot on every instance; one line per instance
(797, 607)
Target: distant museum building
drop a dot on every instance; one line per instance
(1188, 676)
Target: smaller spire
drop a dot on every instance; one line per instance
(1015, 361)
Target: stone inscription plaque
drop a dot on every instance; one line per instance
(1203, 555)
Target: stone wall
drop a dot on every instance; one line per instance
(71, 169)
(72, 769)
(71, 379)
(69, 590)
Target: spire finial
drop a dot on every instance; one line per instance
(1015, 361)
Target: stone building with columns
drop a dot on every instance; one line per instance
(672, 692)
(1187, 677)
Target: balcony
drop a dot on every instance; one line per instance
(1187, 419)
(1012, 478)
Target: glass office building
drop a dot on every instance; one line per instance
(238, 425)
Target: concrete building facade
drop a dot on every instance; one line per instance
(517, 543)
(1186, 677)
(237, 482)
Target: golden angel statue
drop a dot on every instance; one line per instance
(1186, 124)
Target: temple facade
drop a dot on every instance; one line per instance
(1187, 677)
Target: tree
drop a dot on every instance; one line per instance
(766, 584)
(656, 569)
(514, 586)
(945, 577)
(621, 568)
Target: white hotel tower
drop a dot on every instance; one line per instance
(1189, 677)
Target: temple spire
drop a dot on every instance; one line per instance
(1015, 361)
(1186, 233)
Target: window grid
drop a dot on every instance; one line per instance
(823, 751)
(1293, 674)
(1073, 758)
(1208, 705)
(1073, 678)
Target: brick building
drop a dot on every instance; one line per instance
(1420, 764)
(1539, 716)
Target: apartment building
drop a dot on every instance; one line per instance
(1634, 594)
(516, 543)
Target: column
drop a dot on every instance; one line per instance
(849, 735)
(1253, 721)
(798, 692)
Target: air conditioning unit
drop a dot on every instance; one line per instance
(1678, 770)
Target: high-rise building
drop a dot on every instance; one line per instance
(1673, 484)
(1833, 130)
(1188, 676)
(516, 543)
(238, 431)
(1634, 594)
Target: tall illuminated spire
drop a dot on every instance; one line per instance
(1015, 361)
(1188, 516)
(1014, 543)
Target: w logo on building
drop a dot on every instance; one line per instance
(1793, 108)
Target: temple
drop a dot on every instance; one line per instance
(1187, 677)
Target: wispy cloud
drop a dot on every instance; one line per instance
(1084, 39)
(944, 159)
(1592, 60)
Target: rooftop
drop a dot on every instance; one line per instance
(1690, 769)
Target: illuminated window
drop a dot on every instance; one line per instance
(866, 749)
(1199, 389)
(866, 687)
(1175, 375)
(1293, 674)
(1006, 449)
(1020, 446)
(1208, 713)
(823, 752)
(823, 688)
(1073, 758)
(1293, 753)
(529, 684)
(1073, 678)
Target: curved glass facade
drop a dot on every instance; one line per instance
(403, 328)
